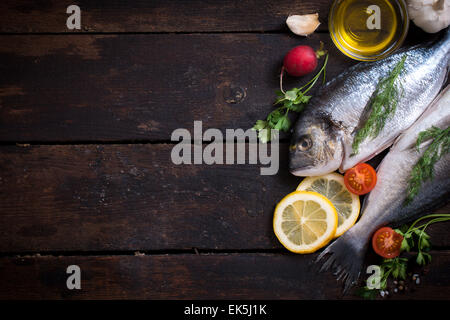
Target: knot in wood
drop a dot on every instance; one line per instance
(233, 94)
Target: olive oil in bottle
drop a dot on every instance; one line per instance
(368, 29)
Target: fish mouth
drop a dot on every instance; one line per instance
(300, 172)
(298, 164)
(312, 167)
(314, 170)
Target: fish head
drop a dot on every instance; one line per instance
(315, 148)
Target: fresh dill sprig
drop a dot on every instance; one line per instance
(382, 106)
(423, 169)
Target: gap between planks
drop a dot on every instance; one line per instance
(193, 251)
(25, 144)
(151, 33)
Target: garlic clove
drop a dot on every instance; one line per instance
(430, 15)
(303, 25)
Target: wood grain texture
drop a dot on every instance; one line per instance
(26, 16)
(135, 72)
(131, 197)
(140, 87)
(189, 276)
(126, 87)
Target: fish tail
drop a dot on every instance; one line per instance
(345, 256)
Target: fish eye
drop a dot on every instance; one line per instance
(304, 143)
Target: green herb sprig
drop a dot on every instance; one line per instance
(423, 169)
(395, 268)
(417, 237)
(382, 106)
(414, 238)
(293, 100)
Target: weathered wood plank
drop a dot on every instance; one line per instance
(189, 276)
(127, 197)
(157, 15)
(131, 197)
(135, 87)
(142, 87)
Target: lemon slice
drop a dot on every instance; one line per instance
(333, 188)
(304, 221)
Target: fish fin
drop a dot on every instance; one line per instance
(345, 257)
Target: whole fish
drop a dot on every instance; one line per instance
(385, 204)
(323, 135)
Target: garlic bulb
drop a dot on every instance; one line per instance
(430, 15)
(303, 25)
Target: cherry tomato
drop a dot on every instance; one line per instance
(387, 243)
(360, 179)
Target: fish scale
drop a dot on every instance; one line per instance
(323, 135)
(385, 203)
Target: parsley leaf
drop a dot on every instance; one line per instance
(293, 100)
(414, 238)
(259, 125)
(283, 124)
(291, 95)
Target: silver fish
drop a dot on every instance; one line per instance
(385, 203)
(323, 135)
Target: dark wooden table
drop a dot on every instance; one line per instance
(86, 118)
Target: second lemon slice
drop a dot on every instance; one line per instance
(333, 188)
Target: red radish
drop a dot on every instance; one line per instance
(300, 61)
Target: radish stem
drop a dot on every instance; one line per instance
(281, 80)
